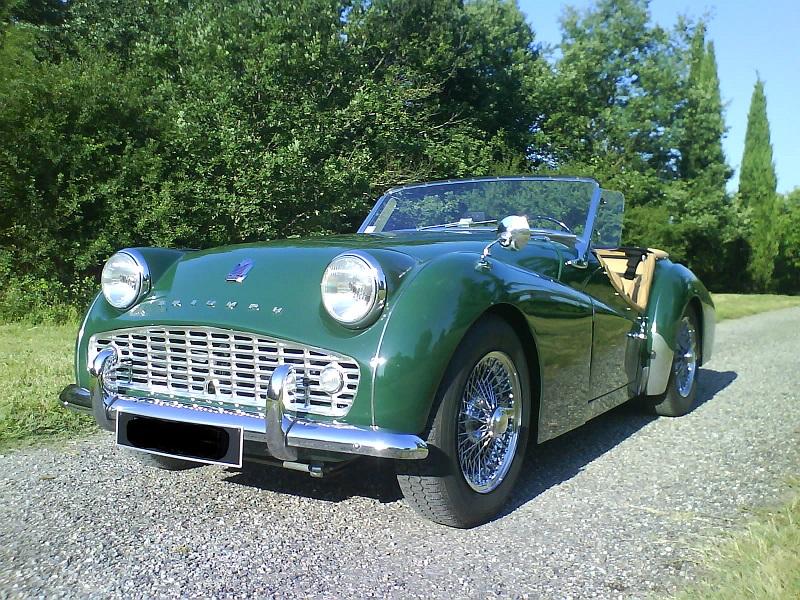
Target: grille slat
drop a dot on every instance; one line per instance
(181, 363)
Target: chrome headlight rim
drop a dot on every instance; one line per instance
(379, 283)
(143, 278)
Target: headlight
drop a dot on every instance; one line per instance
(125, 279)
(354, 289)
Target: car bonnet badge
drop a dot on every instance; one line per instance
(240, 271)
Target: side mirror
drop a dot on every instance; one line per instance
(514, 232)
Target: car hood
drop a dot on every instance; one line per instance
(281, 292)
(300, 263)
(283, 271)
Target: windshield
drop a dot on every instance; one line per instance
(608, 222)
(552, 204)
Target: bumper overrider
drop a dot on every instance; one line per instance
(283, 433)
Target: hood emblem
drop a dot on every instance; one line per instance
(240, 271)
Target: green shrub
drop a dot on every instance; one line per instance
(34, 300)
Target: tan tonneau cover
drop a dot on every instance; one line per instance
(636, 288)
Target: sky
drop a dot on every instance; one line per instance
(749, 36)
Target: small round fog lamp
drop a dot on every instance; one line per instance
(331, 379)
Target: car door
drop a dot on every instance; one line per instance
(617, 339)
(615, 344)
(616, 347)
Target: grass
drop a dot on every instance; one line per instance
(36, 362)
(763, 561)
(733, 306)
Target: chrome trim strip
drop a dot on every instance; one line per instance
(660, 366)
(171, 412)
(146, 279)
(584, 242)
(335, 437)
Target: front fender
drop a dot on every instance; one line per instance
(436, 309)
(674, 287)
(158, 260)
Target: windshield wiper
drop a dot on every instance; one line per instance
(468, 222)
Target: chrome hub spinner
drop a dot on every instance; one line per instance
(498, 424)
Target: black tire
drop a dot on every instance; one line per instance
(165, 463)
(437, 487)
(673, 403)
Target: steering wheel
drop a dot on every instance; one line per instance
(552, 220)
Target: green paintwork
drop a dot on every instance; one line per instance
(444, 300)
(286, 275)
(674, 286)
(436, 291)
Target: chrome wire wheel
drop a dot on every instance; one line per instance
(684, 365)
(489, 422)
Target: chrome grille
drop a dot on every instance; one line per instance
(210, 367)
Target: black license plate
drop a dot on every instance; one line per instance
(209, 444)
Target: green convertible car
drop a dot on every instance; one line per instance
(465, 321)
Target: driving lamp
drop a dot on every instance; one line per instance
(331, 379)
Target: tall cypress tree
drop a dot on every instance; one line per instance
(702, 157)
(705, 212)
(757, 186)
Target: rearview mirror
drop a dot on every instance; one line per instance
(514, 232)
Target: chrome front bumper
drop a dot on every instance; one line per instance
(282, 433)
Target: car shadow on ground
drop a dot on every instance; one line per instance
(560, 459)
(364, 477)
(547, 465)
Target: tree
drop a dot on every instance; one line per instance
(702, 157)
(705, 212)
(757, 185)
(193, 124)
(37, 12)
(787, 266)
(617, 88)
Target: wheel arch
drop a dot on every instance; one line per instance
(514, 317)
(674, 289)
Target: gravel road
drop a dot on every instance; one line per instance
(614, 509)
